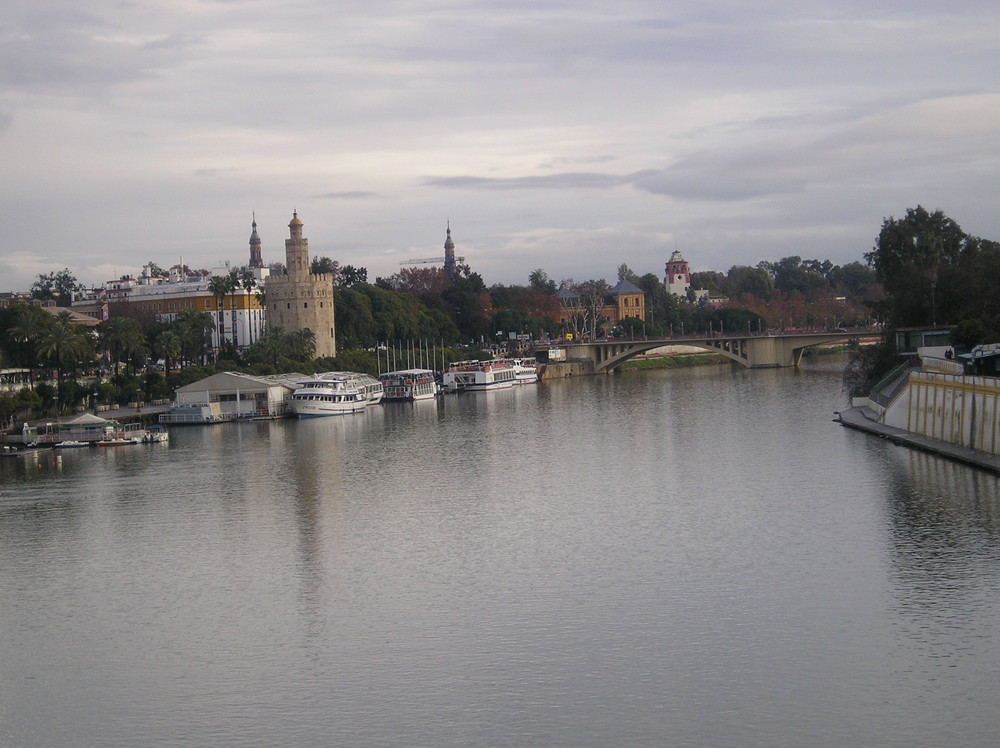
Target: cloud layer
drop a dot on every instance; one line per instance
(571, 136)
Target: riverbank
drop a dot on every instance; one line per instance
(863, 419)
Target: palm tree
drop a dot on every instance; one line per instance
(218, 286)
(195, 331)
(63, 344)
(29, 321)
(302, 344)
(122, 338)
(248, 282)
(169, 345)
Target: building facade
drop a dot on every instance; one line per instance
(300, 300)
(238, 315)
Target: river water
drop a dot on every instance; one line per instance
(683, 558)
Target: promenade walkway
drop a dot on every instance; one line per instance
(863, 419)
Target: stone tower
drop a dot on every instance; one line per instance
(256, 258)
(300, 300)
(678, 275)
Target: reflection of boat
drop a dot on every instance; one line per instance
(329, 395)
(25, 451)
(409, 384)
(478, 375)
(71, 444)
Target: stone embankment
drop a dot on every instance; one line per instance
(951, 414)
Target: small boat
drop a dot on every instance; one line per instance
(119, 441)
(409, 384)
(71, 444)
(155, 434)
(331, 394)
(478, 375)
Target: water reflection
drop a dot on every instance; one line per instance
(690, 558)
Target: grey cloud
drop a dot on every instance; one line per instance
(349, 195)
(571, 180)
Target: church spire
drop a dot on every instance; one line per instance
(256, 258)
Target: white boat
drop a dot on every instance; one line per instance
(156, 434)
(70, 444)
(478, 375)
(329, 394)
(525, 370)
(409, 384)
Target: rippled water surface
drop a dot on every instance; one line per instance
(697, 558)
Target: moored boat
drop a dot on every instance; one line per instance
(409, 384)
(525, 370)
(156, 434)
(478, 375)
(119, 441)
(331, 394)
(71, 444)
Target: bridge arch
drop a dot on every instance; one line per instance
(751, 351)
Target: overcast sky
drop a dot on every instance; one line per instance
(571, 136)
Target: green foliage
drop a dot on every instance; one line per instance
(866, 367)
(58, 286)
(540, 281)
(969, 333)
(926, 264)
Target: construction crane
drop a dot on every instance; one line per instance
(427, 260)
(448, 260)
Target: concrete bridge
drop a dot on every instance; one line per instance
(760, 351)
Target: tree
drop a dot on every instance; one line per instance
(122, 338)
(195, 331)
(321, 265)
(58, 287)
(755, 281)
(625, 273)
(64, 345)
(169, 345)
(218, 286)
(910, 257)
(26, 325)
(540, 281)
(350, 275)
(248, 281)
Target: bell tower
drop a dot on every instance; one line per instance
(256, 258)
(678, 275)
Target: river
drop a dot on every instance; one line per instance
(694, 557)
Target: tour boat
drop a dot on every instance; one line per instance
(409, 384)
(525, 370)
(478, 375)
(329, 394)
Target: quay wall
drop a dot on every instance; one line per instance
(562, 369)
(959, 410)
